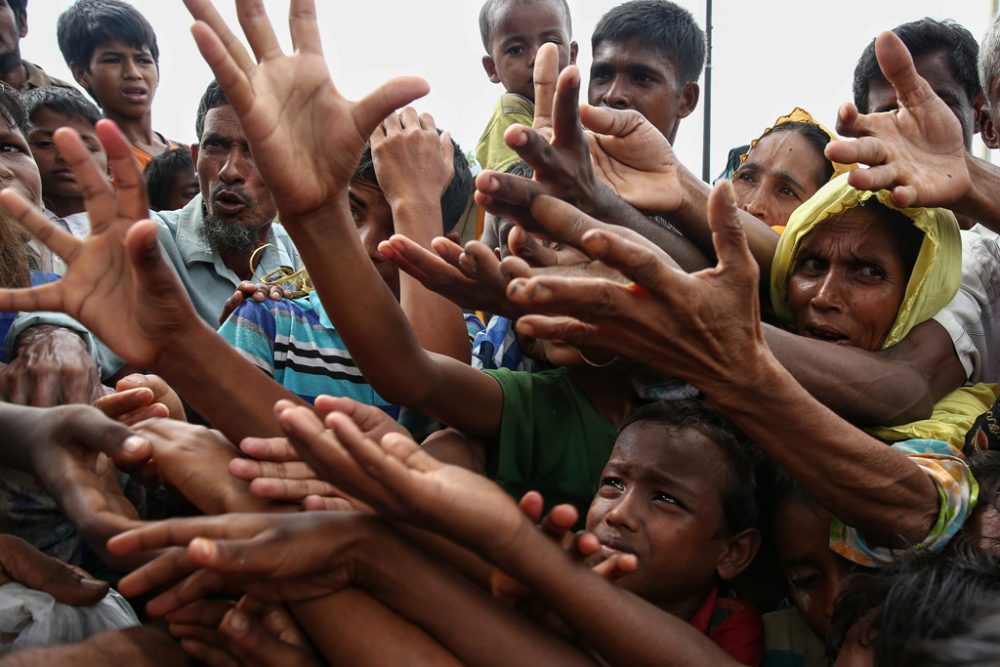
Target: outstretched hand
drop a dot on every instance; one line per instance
(23, 563)
(402, 481)
(917, 151)
(306, 136)
(695, 326)
(117, 282)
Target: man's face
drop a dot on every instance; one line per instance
(17, 168)
(373, 217)
(121, 77)
(232, 189)
(627, 75)
(933, 67)
(57, 177)
(11, 30)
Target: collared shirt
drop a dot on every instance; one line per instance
(207, 280)
(37, 78)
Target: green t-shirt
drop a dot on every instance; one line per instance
(552, 440)
(491, 151)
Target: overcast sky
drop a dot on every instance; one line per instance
(768, 56)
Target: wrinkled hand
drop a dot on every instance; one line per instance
(700, 327)
(223, 633)
(411, 158)
(117, 282)
(283, 101)
(249, 290)
(917, 150)
(632, 157)
(473, 278)
(51, 366)
(23, 563)
(273, 557)
(401, 481)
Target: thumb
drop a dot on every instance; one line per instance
(728, 235)
(391, 95)
(100, 433)
(28, 566)
(608, 121)
(256, 640)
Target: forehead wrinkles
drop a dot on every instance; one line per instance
(847, 230)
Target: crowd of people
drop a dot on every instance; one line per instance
(315, 390)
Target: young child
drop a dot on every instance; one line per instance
(48, 110)
(648, 55)
(512, 31)
(171, 181)
(111, 49)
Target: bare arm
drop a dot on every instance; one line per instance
(886, 388)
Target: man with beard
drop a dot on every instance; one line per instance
(17, 73)
(213, 239)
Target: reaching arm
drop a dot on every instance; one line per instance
(280, 101)
(886, 388)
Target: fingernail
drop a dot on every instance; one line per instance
(135, 377)
(134, 443)
(238, 622)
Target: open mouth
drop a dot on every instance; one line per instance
(228, 203)
(827, 334)
(134, 93)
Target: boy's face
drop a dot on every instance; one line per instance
(373, 217)
(11, 30)
(660, 498)
(17, 168)
(816, 575)
(182, 190)
(519, 30)
(57, 178)
(121, 77)
(629, 75)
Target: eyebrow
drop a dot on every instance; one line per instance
(784, 175)
(356, 200)
(677, 487)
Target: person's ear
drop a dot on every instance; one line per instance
(988, 130)
(737, 553)
(689, 99)
(573, 49)
(22, 24)
(491, 69)
(81, 76)
(194, 154)
(979, 109)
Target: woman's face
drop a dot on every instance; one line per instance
(780, 172)
(848, 280)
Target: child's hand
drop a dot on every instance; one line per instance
(305, 136)
(401, 481)
(473, 278)
(412, 161)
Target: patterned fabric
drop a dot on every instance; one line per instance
(957, 495)
(496, 347)
(294, 342)
(733, 625)
(788, 641)
(985, 432)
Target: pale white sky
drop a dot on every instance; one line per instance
(768, 56)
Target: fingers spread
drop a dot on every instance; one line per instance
(61, 242)
(545, 75)
(304, 27)
(728, 235)
(384, 100)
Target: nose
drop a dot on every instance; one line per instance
(623, 515)
(834, 586)
(828, 292)
(130, 70)
(754, 205)
(233, 169)
(616, 95)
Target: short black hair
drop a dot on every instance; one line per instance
(659, 25)
(20, 9)
(490, 9)
(926, 35)
(161, 172)
(924, 596)
(975, 644)
(816, 137)
(456, 196)
(66, 102)
(12, 109)
(89, 23)
(985, 469)
(213, 98)
(740, 504)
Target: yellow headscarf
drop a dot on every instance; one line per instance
(936, 273)
(800, 115)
